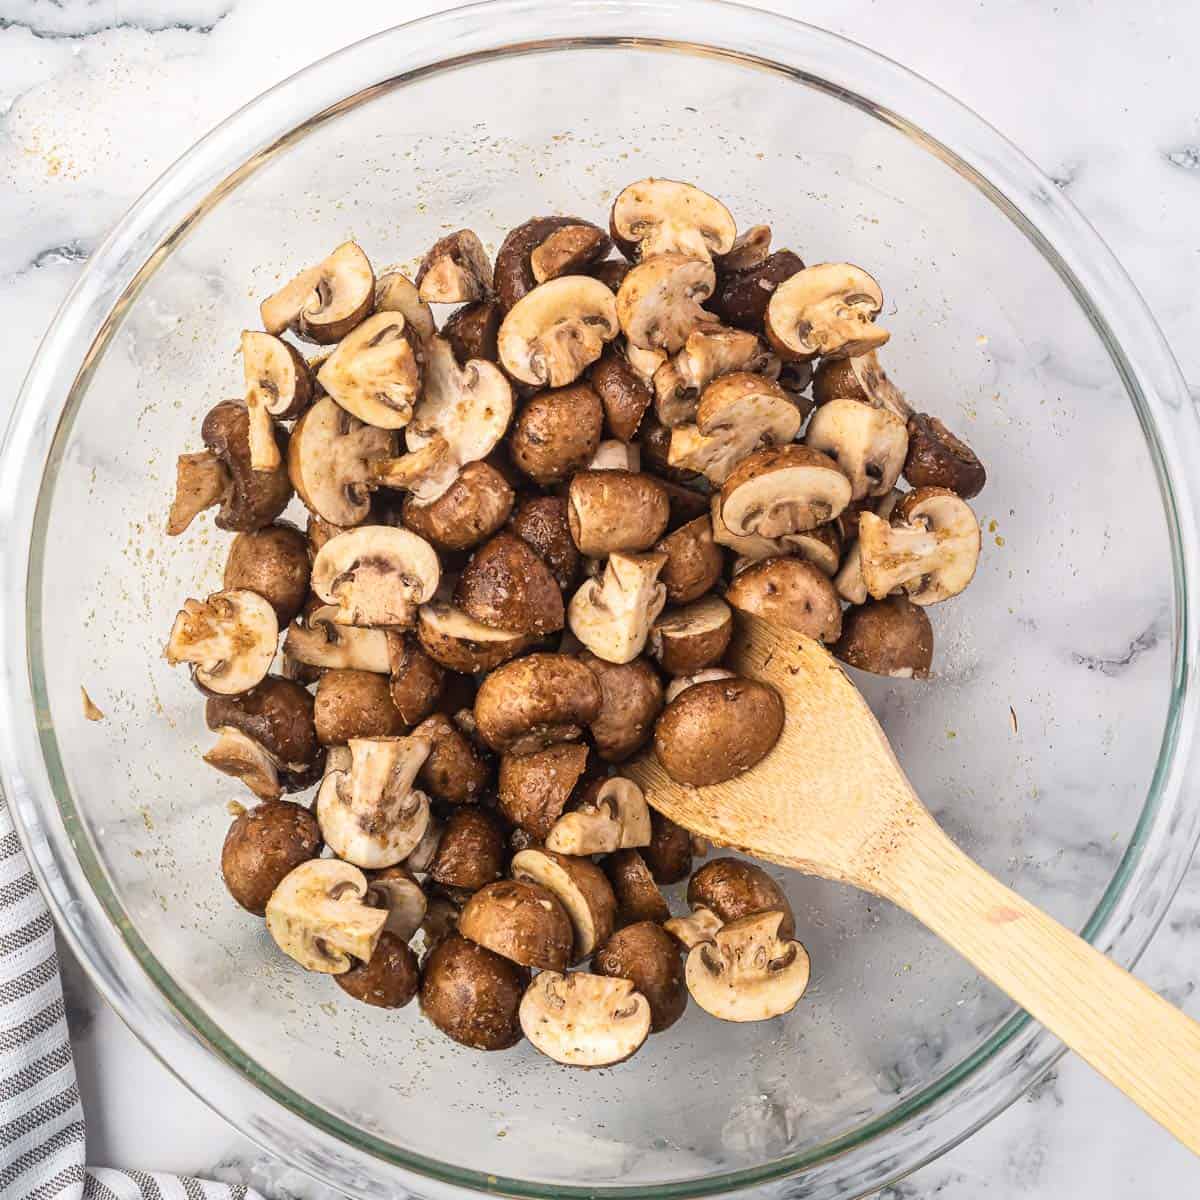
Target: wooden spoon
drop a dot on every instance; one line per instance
(830, 799)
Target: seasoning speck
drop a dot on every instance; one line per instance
(90, 711)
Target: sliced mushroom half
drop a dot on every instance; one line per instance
(320, 917)
(397, 293)
(613, 816)
(869, 444)
(376, 575)
(230, 639)
(612, 616)
(375, 373)
(681, 683)
(395, 890)
(583, 1020)
(789, 592)
(663, 216)
(688, 639)
(828, 309)
(455, 640)
(659, 301)
(278, 384)
(709, 352)
(456, 270)
(317, 640)
(783, 490)
(325, 302)
(580, 887)
(700, 925)
(544, 248)
(552, 334)
(849, 578)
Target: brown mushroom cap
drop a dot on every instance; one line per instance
(278, 715)
(561, 246)
(272, 561)
(416, 680)
(936, 458)
(249, 499)
(557, 432)
(868, 444)
(741, 296)
(694, 561)
(669, 852)
(638, 897)
(733, 888)
(508, 586)
(263, 845)
(473, 508)
(616, 511)
(631, 697)
(535, 788)
(792, 593)
(471, 852)
(324, 303)
(688, 639)
(890, 637)
(461, 643)
(472, 331)
(390, 978)
(522, 921)
(623, 394)
(580, 887)
(473, 995)
(782, 490)
(716, 731)
(750, 249)
(455, 770)
(827, 309)
(542, 522)
(659, 302)
(533, 702)
(230, 639)
(455, 270)
(663, 216)
(649, 958)
(354, 704)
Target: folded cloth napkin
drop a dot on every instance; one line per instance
(41, 1118)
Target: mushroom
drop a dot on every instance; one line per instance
(792, 593)
(473, 329)
(583, 1020)
(868, 444)
(556, 433)
(860, 377)
(750, 249)
(828, 310)
(637, 895)
(262, 846)
(688, 639)
(318, 915)
(742, 294)
(473, 508)
(612, 616)
(371, 815)
(324, 303)
(646, 956)
(461, 416)
(783, 490)
(533, 702)
(397, 293)
(316, 640)
(612, 815)
(278, 385)
(580, 887)
(375, 374)
(389, 980)
(230, 639)
(936, 458)
(737, 414)
(455, 770)
(542, 521)
(473, 995)
(456, 270)
(272, 561)
(354, 704)
(715, 731)
(421, 857)
(506, 585)
(849, 579)
(659, 301)
(645, 361)
(732, 888)
(748, 972)
(376, 575)
(668, 854)
(611, 272)
(614, 455)
(224, 474)
(663, 216)
(700, 925)
(623, 393)
(709, 352)
(821, 546)
(929, 550)
(681, 683)
(268, 737)
(551, 335)
(471, 851)
(631, 697)
(544, 248)
(461, 643)
(890, 637)
(416, 680)
(397, 891)
(534, 788)
(522, 921)
(615, 511)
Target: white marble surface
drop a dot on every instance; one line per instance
(1111, 115)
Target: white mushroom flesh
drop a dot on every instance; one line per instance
(397, 293)
(827, 309)
(702, 925)
(583, 1020)
(681, 683)
(868, 444)
(321, 642)
(375, 373)
(664, 216)
(425, 851)
(613, 455)
(404, 902)
(618, 818)
(879, 389)
(201, 481)
(336, 290)
(645, 362)
(376, 575)
(532, 866)
(708, 353)
(612, 616)
(230, 638)
(236, 754)
(659, 301)
(785, 499)
(456, 271)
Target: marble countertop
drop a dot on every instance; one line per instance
(1113, 120)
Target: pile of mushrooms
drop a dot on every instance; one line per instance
(529, 531)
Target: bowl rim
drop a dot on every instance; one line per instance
(55, 837)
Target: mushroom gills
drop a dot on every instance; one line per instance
(583, 1020)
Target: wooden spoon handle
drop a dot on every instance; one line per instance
(1144, 1046)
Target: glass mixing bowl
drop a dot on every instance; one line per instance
(1054, 741)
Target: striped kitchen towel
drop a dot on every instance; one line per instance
(42, 1136)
